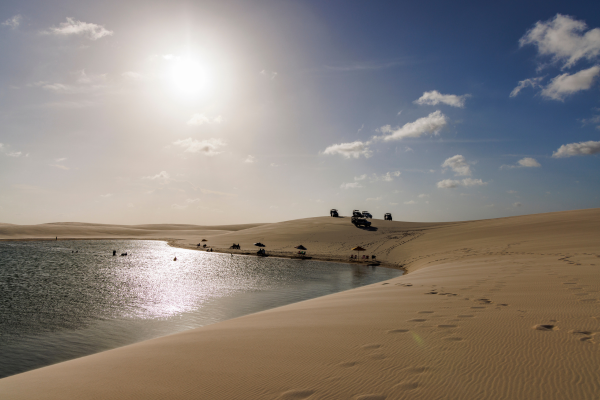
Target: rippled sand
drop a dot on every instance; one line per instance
(494, 309)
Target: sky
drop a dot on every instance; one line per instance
(226, 112)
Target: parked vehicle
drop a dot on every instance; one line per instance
(359, 222)
(334, 213)
(366, 214)
(387, 217)
(357, 213)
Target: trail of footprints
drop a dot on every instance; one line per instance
(449, 328)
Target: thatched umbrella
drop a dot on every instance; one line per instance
(300, 247)
(359, 249)
(204, 240)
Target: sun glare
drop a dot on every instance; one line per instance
(189, 76)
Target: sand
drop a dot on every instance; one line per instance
(494, 309)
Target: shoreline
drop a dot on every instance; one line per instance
(503, 308)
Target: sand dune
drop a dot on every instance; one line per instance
(495, 309)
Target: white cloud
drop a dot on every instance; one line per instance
(450, 183)
(423, 196)
(268, 74)
(360, 177)
(592, 121)
(72, 27)
(188, 202)
(531, 82)
(13, 22)
(349, 150)
(577, 149)
(5, 150)
(563, 39)
(59, 166)
(517, 204)
(529, 162)
(512, 191)
(410, 202)
(162, 177)
(565, 84)
(434, 97)
(107, 195)
(250, 159)
(458, 164)
(60, 159)
(200, 119)
(374, 198)
(353, 185)
(209, 147)
(393, 204)
(387, 177)
(430, 124)
(526, 162)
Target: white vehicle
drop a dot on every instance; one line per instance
(366, 214)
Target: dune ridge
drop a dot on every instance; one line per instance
(494, 309)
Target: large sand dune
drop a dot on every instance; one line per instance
(494, 309)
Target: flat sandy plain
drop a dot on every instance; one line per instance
(494, 309)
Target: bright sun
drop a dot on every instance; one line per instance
(189, 76)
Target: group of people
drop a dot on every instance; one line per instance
(261, 252)
(364, 257)
(235, 246)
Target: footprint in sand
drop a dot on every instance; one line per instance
(296, 394)
(447, 326)
(417, 320)
(453, 339)
(425, 312)
(347, 364)
(465, 316)
(545, 327)
(588, 300)
(369, 397)
(477, 307)
(397, 331)
(371, 346)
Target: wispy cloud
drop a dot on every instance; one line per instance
(531, 82)
(162, 177)
(13, 22)
(434, 98)
(564, 39)
(450, 183)
(268, 74)
(431, 124)
(352, 185)
(72, 27)
(566, 84)
(207, 147)
(526, 162)
(349, 150)
(250, 159)
(200, 119)
(5, 149)
(577, 149)
(374, 198)
(410, 202)
(458, 164)
(387, 177)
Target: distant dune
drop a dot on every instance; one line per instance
(504, 308)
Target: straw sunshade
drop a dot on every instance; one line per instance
(301, 247)
(204, 240)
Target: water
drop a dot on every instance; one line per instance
(67, 299)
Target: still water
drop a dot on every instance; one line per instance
(67, 299)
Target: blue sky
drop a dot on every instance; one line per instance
(261, 111)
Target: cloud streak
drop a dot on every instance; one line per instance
(208, 147)
(86, 29)
(429, 125)
(566, 84)
(577, 149)
(349, 150)
(434, 98)
(458, 164)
